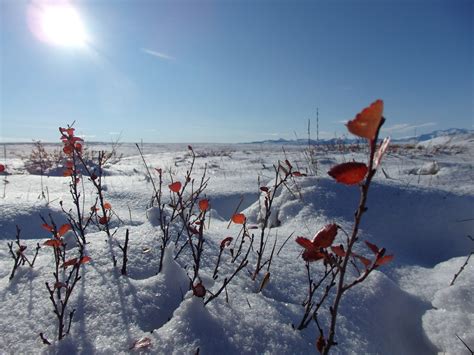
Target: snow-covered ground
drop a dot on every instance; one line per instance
(420, 207)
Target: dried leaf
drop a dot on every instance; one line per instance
(366, 123)
(103, 220)
(226, 242)
(381, 151)
(265, 281)
(142, 343)
(107, 206)
(349, 173)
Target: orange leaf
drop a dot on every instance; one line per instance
(364, 261)
(55, 243)
(70, 262)
(366, 123)
(349, 173)
(47, 227)
(2, 168)
(239, 218)
(84, 259)
(384, 260)
(325, 237)
(204, 205)
(107, 206)
(175, 186)
(64, 229)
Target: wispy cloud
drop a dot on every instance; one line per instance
(160, 55)
(406, 127)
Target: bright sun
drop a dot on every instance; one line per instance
(60, 25)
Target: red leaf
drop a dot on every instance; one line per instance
(64, 229)
(325, 237)
(107, 206)
(69, 164)
(364, 261)
(226, 242)
(68, 149)
(199, 290)
(366, 123)
(2, 168)
(373, 247)
(338, 250)
(311, 252)
(70, 262)
(204, 205)
(304, 242)
(68, 172)
(84, 259)
(142, 343)
(239, 218)
(175, 186)
(55, 243)
(103, 220)
(312, 255)
(384, 260)
(264, 188)
(349, 173)
(47, 227)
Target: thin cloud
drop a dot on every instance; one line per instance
(158, 54)
(405, 127)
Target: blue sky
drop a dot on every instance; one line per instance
(237, 71)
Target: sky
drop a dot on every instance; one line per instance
(235, 71)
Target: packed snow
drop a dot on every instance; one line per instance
(420, 208)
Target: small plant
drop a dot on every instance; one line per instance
(283, 172)
(337, 258)
(179, 209)
(19, 256)
(66, 275)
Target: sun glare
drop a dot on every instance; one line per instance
(59, 24)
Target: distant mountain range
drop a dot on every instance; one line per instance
(420, 138)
